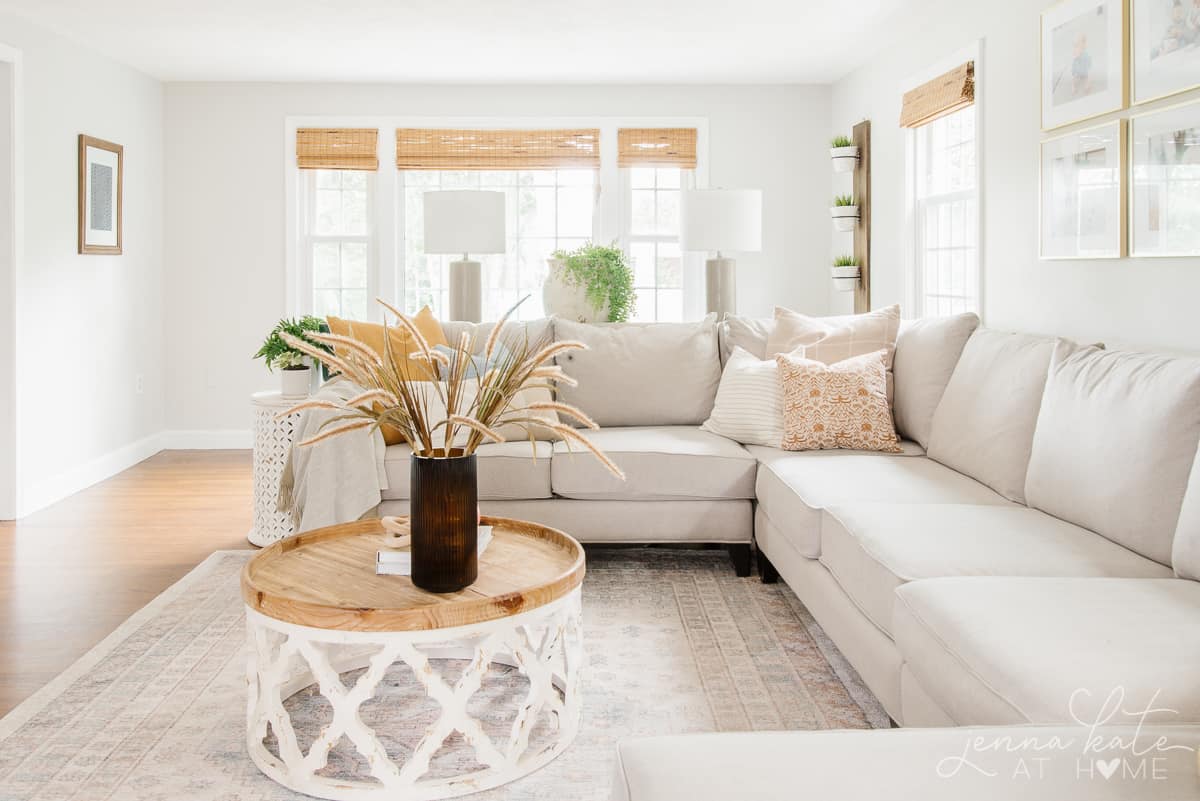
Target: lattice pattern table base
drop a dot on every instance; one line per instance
(545, 645)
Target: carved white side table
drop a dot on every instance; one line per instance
(316, 610)
(272, 441)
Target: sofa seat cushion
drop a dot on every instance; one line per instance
(993, 650)
(793, 487)
(506, 470)
(660, 463)
(873, 548)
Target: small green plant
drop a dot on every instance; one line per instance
(845, 261)
(843, 200)
(841, 141)
(277, 353)
(604, 275)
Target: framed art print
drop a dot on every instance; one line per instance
(1084, 61)
(1082, 199)
(1165, 37)
(1165, 207)
(101, 193)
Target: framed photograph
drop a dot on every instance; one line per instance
(1084, 61)
(101, 179)
(1165, 207)
(1166, 47)
(1082, 194)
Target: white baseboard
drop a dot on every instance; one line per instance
(232, 439)
(82, 476)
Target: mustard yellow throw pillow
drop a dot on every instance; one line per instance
(840, 405)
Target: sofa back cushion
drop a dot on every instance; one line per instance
(927, 351)
(1114, 446)
(983, 426)
(512, 332)
(1185, 552)
(642, 374)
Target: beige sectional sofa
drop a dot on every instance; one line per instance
(1034, 549)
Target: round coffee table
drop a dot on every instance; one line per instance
(315, 609)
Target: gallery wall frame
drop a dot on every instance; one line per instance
(1103, 148)
(1163, 147)
(1070, 92)
(1164, 49)
(101, 196)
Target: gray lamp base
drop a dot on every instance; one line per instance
(721, 286)
(466, 291)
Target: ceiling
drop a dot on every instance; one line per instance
(480, 41)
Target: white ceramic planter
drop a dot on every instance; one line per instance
(845, 218)
(564, 298)
(295, 383)
(845, 159)
(845, 279)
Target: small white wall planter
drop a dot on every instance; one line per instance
(845, 218)
(845, 279)
(845, 159)
(295, 382)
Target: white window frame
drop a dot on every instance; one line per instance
(913, 267)
(307, 212)
(690, 260)
(388, 245)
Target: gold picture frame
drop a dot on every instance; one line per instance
(1117, 148)
(101, 196)
(1137, 8)
(1190, 110)
(1066, 20)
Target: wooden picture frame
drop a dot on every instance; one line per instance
(1084, 61)
(101, 196)
(1083, 194)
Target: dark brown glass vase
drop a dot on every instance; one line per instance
(444, 514)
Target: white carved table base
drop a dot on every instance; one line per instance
(545, 645)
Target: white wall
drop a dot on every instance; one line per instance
(1146, 302)
(8, 286)
(225, 205)
(87, 326)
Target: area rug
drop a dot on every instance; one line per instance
(676, 644)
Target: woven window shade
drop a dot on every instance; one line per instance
(943, 95)
(337, 148)
(657, 147)
(466, 149)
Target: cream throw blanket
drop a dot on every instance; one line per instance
(337, 480)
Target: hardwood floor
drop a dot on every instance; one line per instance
(71, 573)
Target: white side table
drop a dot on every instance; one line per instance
(272, 441)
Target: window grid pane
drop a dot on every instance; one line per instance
(654, 254)
(947, 274)
(338, 236)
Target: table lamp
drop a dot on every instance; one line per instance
(721, 220)
(464, 222)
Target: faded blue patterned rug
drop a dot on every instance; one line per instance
(676, 644)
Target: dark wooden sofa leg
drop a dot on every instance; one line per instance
(766, 570)
(740, 555)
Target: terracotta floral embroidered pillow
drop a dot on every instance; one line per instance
(840, 405)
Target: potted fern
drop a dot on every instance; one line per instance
(590, 284)
(844, 154)
(844, 212)
(846, 273)
(295, 371)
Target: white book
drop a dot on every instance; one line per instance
(399, 563)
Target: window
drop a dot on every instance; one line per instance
(945, 274)
(651, 234)
(337, 246)
(547, 210)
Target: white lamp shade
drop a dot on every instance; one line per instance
(722, 219)
(464, 221)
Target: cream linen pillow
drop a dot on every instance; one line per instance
(748, 409)
(832, 339)
(510, 431)
(842, 405)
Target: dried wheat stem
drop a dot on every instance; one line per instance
(336, 430)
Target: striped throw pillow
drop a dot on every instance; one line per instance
(747, 408)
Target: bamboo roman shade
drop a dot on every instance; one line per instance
(337, 148)
(466, 149)
(943, 95)
(657, 147)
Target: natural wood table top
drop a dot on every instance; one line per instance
(326, 579)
